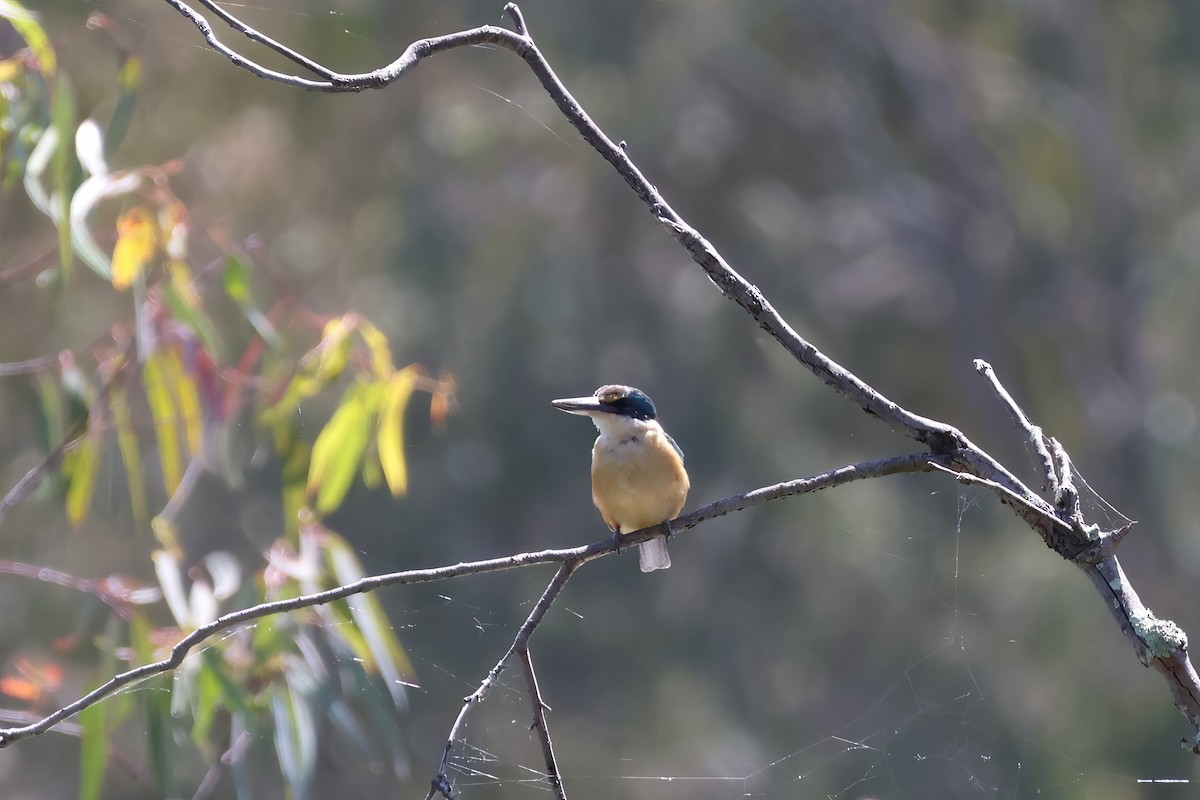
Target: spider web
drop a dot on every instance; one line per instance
(935, 729)
(929, 725)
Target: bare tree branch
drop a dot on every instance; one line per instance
(573, 557)
(1034, 433)
(1158, 643)
(441, 782)
(539, 724)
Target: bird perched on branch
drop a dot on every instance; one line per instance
(638, 479)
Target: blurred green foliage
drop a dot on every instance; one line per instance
(912, 184)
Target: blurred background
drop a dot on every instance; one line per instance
(913, 185)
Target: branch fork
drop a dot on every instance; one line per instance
(1057, 518)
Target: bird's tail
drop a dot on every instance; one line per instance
(653, 555)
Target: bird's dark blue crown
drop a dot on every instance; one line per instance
(627, 401)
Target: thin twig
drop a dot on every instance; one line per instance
(574, 555)
(441, 782)
(1033, 432)
(539, 724)
(943, 439)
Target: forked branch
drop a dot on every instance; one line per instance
(1057, 519)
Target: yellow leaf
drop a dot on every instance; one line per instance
(181, 279)
(137, 240)
(131, 451)
(335, 349)
(338, 451)
(10, 68)
(83, 464)
(390, 441)
(26, 24)
(372, 471)
(166, 422)
(377, 343)
(187, 398)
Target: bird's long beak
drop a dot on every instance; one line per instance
(586, 406)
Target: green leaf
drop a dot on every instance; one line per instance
(295, 736)
(237, 285)
(237, 281)
(386, 654)
(26, 24)
(131, 452)
(82, 464)
(50, 411)
(377, 343)
(186, 394)
(192, 316)
(207, 700)
(155, 374)
(129, 78)
(64, 122)
(338, 451)
(334, 349)
(93, 751)
(157, 702)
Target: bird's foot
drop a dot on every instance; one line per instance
(669, 529)
(617, 540)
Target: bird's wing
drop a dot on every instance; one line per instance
(674, 444)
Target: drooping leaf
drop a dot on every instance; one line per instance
(372, 470)
(186, 393)
(157, 707)
(185, 305)
(170, 580)
(237, 281)
(386, 654)
(63, 113)
(89, 147)
(166, 422)
(338, 451)
(207, 699)
(82, 464)
(137, 243)
(50, 411)
(294, 474)
(334, 349)
(238, 286)
(129, 78)
(377, 343)
(93, 751)
(295, 735)
(35, 169)
(390, 440)
(87, 197)
(25, 22)
(131, 451)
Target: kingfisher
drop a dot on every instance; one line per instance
(638, 478)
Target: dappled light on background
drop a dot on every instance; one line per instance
(317, 334)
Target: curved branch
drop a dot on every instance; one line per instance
(1066, 536)
(570, 557)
